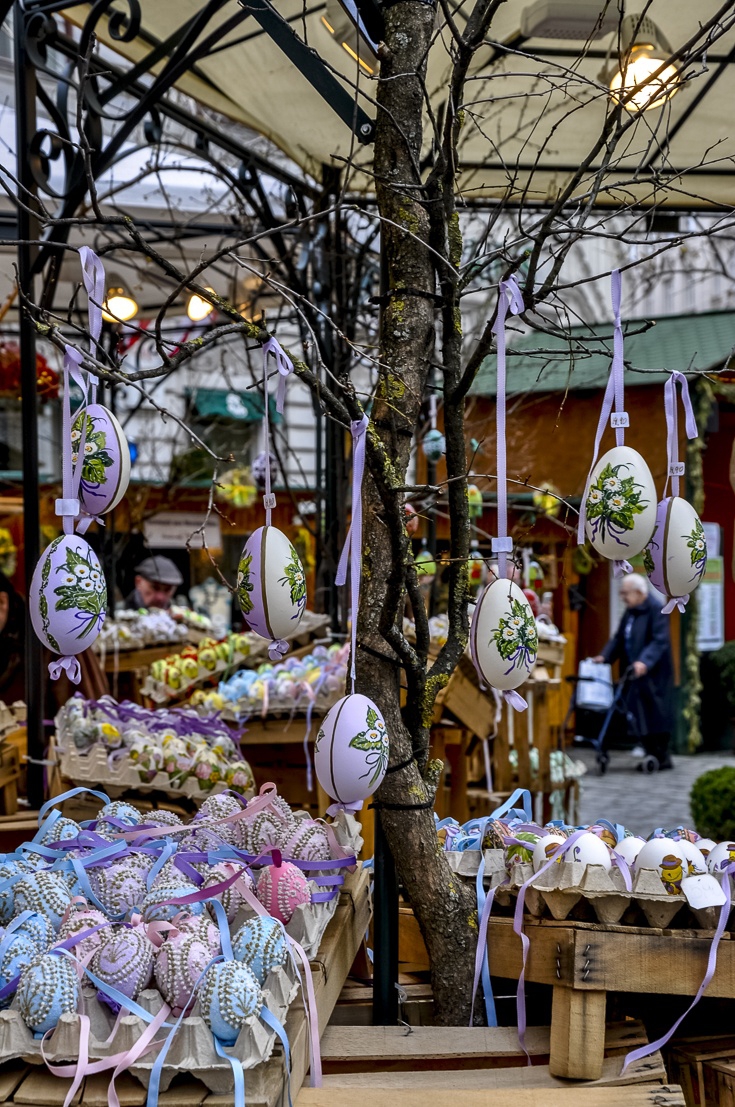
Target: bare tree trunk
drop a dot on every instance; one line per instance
(445, 907)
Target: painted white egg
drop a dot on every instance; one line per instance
(544, 848)
(271, 584)
(720, 856)
(590, 850)
(705, 846)
(629, 848)
(351, 749)
(621, 504)
(676, 556)
(503, 636)
(106, 459)
(668, 859)
(696, 862)
(68, 595)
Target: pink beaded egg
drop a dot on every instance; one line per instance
(307, 842)
(282, 887)
(79, 920)
(231, 899)
(179, 963)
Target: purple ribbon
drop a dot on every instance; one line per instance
(285, 366)
(675, 601)
(507, 288)
(672, 425)
(68, 664)
(613, 391)
(352, 549)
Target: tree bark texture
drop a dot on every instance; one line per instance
(445, 907)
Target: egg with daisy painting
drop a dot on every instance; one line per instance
(68, 595)
(271, 584)
(351, 749)
(503, 636)
(621, 504)
(676, 557)
(105, 459)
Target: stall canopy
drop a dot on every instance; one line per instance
(534, 106)
(219, 403)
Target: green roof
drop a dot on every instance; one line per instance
(542, 363)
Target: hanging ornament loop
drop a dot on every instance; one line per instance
(510, 297)
(352, 549)
(285, 367)
(676, 467)
(614, 396)
(93, 275)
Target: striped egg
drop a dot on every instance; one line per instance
(271, 584)
(676, 557)
(105, 459)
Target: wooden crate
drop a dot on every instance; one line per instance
(35, 1087)
(719, 1083)
(693, 1064)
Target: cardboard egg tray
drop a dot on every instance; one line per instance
(94, 768)
(239, 711)
(160, 692)
(558, 890)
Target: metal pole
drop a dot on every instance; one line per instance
(385, 932)
(25, 117)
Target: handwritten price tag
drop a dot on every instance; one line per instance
(677, 469)
(619, 419)
(269, 501)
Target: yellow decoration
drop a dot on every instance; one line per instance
(548, 502)
(236, 487)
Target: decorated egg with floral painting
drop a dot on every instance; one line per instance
(621, 504)
(271, 584)
(105, 459)
(351, 749)
(676, 556)
(68, 595)
(503, 636)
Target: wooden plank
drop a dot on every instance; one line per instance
(130, 1091)
(10, 1077)
(188, 1094)
(641, 1096)
(577, 1033)
(41, 1089)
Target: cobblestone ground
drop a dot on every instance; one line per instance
(642, 803)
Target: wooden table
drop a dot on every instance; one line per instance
(584, 961)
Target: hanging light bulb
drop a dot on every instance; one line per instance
(344, 21)
(118, 305)
(643, 48)
(198, 308)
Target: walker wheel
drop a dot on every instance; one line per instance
(603, 760)
(650, 764)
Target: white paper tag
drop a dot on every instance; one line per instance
(703, 891)
(501, 545)
(269, 501)
(67, 507)
(677, 469)
(619, 419)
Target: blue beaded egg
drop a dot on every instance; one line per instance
(229, 996)
(119, 809)
(261, 943)
(48, 989)
(61, 830)
(157, 909)
(40, 930)
(16, 952)
(9, 872)
(45, 892)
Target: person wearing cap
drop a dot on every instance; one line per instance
(156, 581)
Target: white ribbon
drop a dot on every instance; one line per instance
(352, 549)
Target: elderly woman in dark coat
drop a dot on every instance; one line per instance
(642, 644)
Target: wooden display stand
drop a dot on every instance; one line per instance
(584, 961)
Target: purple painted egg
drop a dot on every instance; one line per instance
(106, 460)
(124, 960)
(503, 636)
(308, 842)
(179, 963)
(271, 584)
(676, 556)
(351, 749)
(120, 884)
(621, 504)
(281, 889)
(68, 595)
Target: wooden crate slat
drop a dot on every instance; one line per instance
(11, 1076)
(180, 1094)
(130, 1092)
(41, 1089)
(640, 1096)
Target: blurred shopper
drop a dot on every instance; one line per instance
(156, 582)
(12, 643)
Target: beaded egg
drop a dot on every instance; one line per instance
(119, 809)
(62, 830)
(120, 885)
(281, 889)
(40, 930)
(17, 950)
(45, 892)
(263, 832)
(179, 963)
(76, 923)
(220, 806)
(48, 989)
(123, 960)
(10, 873)
(271, 584)
(203, 927)
(229, 996)
(156, 905)
(262, 943)
(207, 835)
(162, 818)
(307, 842)
(231, 899)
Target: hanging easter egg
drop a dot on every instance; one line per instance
(68, 596)
(434, 446)
(412, 519)
(474, 501)
(271, 584)
(676, 556)
(503, 636)
(229, 996)
(351, 749)
(425, 565)
(621, 504)
(105, 459)
(257, 469)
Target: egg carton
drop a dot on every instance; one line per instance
(192, 1049)
(94, 768)
(160, 692)
(238, 711)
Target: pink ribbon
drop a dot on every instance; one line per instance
(613, 391)
(312, 1014)
(501, 546)
(352, 549)
(68, 664)
(672, 426)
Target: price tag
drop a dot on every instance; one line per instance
(677, 469)
(502, 545)
(67, 507)
(703, 891)
(269, 501)
(619, 419)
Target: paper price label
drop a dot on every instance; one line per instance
(619, 419)
(703, 891)
(269, 501)
(502, 545)
(677, 469)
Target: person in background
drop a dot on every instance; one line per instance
(12, 643)
(642, 646)
(156, 582)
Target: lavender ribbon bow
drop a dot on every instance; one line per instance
(352, 549)
(507, 288)
(68, 664)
